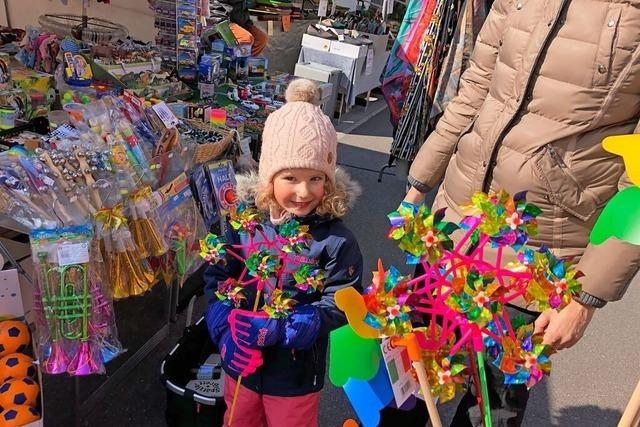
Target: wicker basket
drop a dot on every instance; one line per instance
(214, 150)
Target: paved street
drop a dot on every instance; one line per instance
(590, 384)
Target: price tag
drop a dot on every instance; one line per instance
(75, 253)
(270, 28)
(165, 115)
(322, 8)
(398, 364)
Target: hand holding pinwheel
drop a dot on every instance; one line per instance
(462, 294)
(265, 260)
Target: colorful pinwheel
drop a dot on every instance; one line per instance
(420, 233)
(231, 292)
(279, 305)
(263, 264)
(294, 237)
(553, 281)
(213, 249)
(309, 279)
(385, 300)
(245, 219)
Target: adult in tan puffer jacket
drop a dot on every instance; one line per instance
(547, 81)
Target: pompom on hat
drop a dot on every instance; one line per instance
(298, 135)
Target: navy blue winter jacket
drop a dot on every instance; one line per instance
(294, 372)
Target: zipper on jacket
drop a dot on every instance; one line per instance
(558, 159)
(488, 176)
(314, 354)
(554, 154)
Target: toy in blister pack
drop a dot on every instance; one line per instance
(187, 39)
(223, 181)
(126, 270)
(182, 227)
(205, 197)
(186, 58)
(25, 178)
(187, 42)
(76, 325)
(144, 224)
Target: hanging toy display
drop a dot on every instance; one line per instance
(76, 322)
(127, 270)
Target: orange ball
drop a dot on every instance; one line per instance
(16, 365)
(14, 337)
(15, 416)
(19, 391)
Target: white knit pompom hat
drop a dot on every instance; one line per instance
(298, 135)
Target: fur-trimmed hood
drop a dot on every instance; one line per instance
(247, 185)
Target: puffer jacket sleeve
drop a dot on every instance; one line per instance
(344, 269)
(431, 161)
(609, 268)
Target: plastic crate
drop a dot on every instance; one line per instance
(193, 402)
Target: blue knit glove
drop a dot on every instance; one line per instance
(217, 318)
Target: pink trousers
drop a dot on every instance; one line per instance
(261, 410)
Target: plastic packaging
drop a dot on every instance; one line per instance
(75, 321)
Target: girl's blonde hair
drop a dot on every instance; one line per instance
(334, 203)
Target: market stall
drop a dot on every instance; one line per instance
(118, 155)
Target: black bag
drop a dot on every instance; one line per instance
(193, 402)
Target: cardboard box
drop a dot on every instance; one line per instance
(348, 50)
(257, 67)
(12, 306)
(22, 253)
(317, 43)
(240, 51)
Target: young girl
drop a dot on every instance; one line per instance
(282, 361)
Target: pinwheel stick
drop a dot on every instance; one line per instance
(631, 415)
(239, 380)
(486, 412)
(476, 380)
(415, 354)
